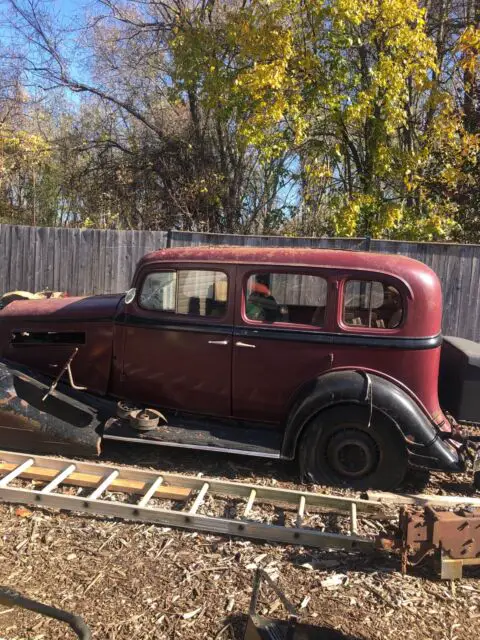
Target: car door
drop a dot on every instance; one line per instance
(282, 338)
(178, 339)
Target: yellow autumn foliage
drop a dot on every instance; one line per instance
(21, 149)
(292, 75)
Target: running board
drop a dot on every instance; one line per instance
(188, 493)
(36, 418)
(206, 436)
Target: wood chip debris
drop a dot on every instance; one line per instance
(142, 582)
(334, 581)
(191, 614)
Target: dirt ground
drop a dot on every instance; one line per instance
(133, 581)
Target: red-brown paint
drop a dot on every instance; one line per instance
(94, 315)
(179, 369)
(173, 367)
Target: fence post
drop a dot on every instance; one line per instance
(368, 241)
(169, 238)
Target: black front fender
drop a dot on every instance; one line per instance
(422, 438)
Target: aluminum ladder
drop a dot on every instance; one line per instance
(187, 492)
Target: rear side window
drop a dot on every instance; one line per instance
(188, 292)
(286, 297)
(372, 304)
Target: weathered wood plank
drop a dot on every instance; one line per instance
(56, 258)
(30, 249)
(18, 250)
(421, 499)
(96, 287)
(40, 261)
(44, 474)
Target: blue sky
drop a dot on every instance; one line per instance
(68, 10)
(70, 7)
(71, 13)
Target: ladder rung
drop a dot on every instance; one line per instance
(16, 472)
(249, 505)
(58, 479)
(301, 511)
(153, 487)
(353, 518)
(199, 499)
(103, 485)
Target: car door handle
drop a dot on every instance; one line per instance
(244, 344)
(222, 343)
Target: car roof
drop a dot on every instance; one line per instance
(397, 265)
(422, 284)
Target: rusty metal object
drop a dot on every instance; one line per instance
(66, 368)
(139, 419)
(452, 537)
(57, 425)
(124, 409)
(456, 534)
(145, 419)
(9, 597)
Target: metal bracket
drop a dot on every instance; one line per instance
(262, 575)
(66, 367)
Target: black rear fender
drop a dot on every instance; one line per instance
(421, 436)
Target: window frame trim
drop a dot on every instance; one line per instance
(140, 288)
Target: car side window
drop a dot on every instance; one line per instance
(372, 304)
(186, 292)
(286, 297)
(159, 291)
(202, 293)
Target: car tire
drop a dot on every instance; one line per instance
(340, 447)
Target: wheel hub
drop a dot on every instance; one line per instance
(351, 454)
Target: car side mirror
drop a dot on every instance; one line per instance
(130, 295)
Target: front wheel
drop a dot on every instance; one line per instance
(340, 448)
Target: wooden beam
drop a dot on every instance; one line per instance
(44, 474)
(421, 499)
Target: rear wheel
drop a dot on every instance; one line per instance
(340, 448)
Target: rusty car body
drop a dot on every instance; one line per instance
(330, 356)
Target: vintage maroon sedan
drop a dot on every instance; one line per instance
(329, 356)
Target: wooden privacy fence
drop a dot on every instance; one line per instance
(78, 261)
(89, 261)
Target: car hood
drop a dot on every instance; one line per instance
(88, 308)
